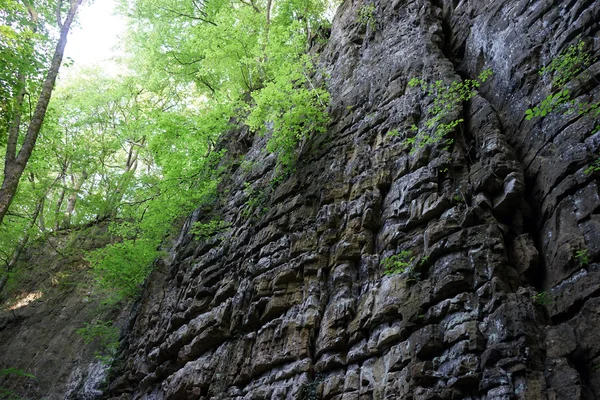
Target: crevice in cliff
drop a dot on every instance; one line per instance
(453, 47)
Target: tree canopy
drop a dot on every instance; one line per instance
(139, 148)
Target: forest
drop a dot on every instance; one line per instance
(140, 148)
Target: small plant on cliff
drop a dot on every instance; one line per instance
(568, 64)
(105, 335)
(207, 230)
(366, 16)
(9, 373)
(592, 168)
(548, 105)
(256, 202)
(541, 299)
(397, 263)
(563, 69)
(15, 372)
(458, 199)
(582, 257)
(445, 100)
(393, 133)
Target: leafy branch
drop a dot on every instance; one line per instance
(563, 69)
(445, 100)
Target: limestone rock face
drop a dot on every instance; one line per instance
(294, 304)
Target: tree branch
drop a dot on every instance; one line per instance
(58, 14)
(203, 19)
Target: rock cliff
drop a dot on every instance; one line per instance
(293, 303)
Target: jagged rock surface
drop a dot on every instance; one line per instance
(293, 304)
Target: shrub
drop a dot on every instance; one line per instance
(397, 263)
(583, 257)
(121, 268)
(445, 100)
(291, 108)
(563, 69)
(594, 167)
(206, 230)
(366, 16)
(541, 299)
(105, 335)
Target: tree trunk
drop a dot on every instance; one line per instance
(73, 198)
(41, 221)
(3, 280)
(59, 202)
(116, 196)
(14, 169)
(21, 245)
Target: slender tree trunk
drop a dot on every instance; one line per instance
(15, 126)
(59, 202)
(21, 245)
(114, 198)
(37, 214)
(73, 198)
(3, 280)
(41, 221)
(14, 169)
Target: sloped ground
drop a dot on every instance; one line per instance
(293, 304)
(51, 298)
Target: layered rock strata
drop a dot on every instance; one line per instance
(294, 304)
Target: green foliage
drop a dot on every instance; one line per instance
(290, 111)
(140, 148)
(144, 160)
(397, 263)
(15, 372)
(121, 268)
(105, 335)
(567, 65)
(393, 133)
(10, 373)
(26, 42)
(366, 16)
(256, 205)
(594, 167)
(593, 109)
(582, 257)
(446, 99)
(207, 230)
(542, 299)
(563, 69)
(239, 48)
(8, 394)
(548, 105)
(458, 199)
